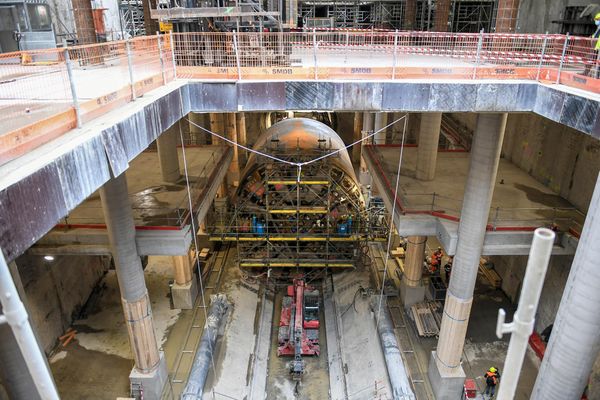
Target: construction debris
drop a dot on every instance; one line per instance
(67, 337)
(487, 269)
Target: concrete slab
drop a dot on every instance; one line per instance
(364, 365)
(432, 208)
(184, 296)
(260, 361)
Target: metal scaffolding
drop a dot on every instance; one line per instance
(315, 219)
(132, 18)
(473, 16)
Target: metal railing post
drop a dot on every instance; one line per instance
(315, 52)
(73, 89)
(562, 58)
(173, 54)
(237, 55)
(160, 56)
(395, 54)
(537, 78)
(130, 66)
(479, 46)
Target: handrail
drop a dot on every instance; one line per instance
(106, 75)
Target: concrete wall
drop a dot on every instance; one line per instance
(62, 18)
(561, 158)
(537, 15)
(512, 271)
(56, 291)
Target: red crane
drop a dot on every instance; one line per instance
(299, 325)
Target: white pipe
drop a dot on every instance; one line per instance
(524, 318)
(16, 316)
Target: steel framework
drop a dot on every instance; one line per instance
(283, 218)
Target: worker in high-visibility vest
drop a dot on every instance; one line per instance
(596, 34)
(492, 377)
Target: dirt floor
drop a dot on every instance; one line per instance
(100, 352)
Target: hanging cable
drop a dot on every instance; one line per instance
(296, 164)
(387, 253)
(194, 236)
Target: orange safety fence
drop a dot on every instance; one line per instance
(44, 93)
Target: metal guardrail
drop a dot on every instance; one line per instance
(45, 93)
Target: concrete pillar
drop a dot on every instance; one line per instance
(197, 134)
(217, 125)
(411, 288)
(445, 372)
(368, 124)
(233, 174)
(381, 120)
(410, 15)
(167, 154)
(357, 149)
(150, 368)
(241, 138)
(441, 15)
(506, 17)
(429, 139)
(185, 287)
(575, 339)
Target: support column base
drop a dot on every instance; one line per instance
(184, 296)
(411, 294)
(365, 178)
(152, 382)
(446, 386)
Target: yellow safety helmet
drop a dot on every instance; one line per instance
(597, 16)
(492, 369)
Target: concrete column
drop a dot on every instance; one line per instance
(445, 372)
(167, 154)
(410, 14)
(196, 133)
(441, 15)
(150, 368)
(357, 149)
(411, 288)
(575, 339)
(368, 124)
(185, 288)
(506, 17)
(429, 139)
(233, 174)
(217, 125)
(381, 120)
(241, 138)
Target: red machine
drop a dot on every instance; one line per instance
(299, 325)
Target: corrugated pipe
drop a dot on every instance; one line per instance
(121, 232)
(401, 389)
(203, 359)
